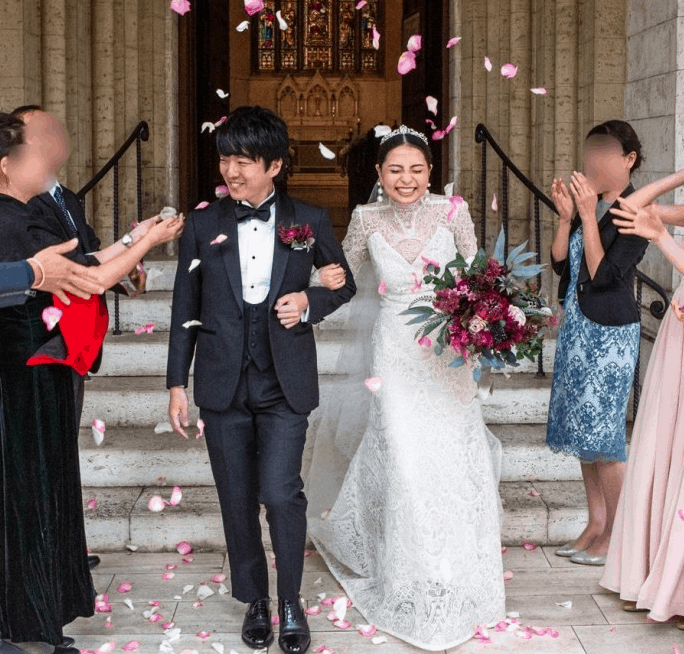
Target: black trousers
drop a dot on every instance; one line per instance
(255, 449)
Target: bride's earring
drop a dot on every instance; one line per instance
(381, 191)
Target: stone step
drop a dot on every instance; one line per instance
(143, 401)
(136, 456)
(129, 354)
(555, 515)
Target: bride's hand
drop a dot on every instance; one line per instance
(332, 276)
(166, 230)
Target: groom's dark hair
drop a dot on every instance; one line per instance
(256, 133)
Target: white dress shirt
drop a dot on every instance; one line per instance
(256, 243)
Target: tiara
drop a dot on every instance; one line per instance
(402, 131)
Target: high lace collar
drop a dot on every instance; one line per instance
(406, 212)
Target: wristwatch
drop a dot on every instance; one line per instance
(127, 240)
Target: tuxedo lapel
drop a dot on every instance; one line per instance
(227, 224)
(285, 215)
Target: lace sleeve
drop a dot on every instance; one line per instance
(355, 244)
(464, 232)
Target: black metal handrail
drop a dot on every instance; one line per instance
(138, 135)
(657, 308)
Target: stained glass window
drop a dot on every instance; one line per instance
(326, 35)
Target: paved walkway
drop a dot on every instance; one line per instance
(595, 624)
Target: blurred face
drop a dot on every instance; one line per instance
(605, 164)
(405, 174)
(32, 168)
(247, 179)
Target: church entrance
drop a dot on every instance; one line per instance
(316, 63)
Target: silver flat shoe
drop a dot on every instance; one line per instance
(584, 558)
(567, 550)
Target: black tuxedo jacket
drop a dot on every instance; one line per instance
(212, 294)
(608, 298)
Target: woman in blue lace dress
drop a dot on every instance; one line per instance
(598, 344)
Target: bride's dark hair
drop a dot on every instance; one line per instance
(404, 139)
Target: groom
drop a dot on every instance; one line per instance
(242, 305)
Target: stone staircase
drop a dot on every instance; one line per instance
(542, 492)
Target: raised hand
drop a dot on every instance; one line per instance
(562, 200)
(585, 196)
(644, 222)
(166, 230)
(332, 276)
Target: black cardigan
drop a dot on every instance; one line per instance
(608, 298)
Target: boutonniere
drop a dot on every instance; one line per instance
(298, 237)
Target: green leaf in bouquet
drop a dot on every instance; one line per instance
(449, 279)
(529, 271)
(439, 349)
(422, 298)
(499, 247)
(412, 311)
(514, 253)
(457, 362)
(479, 262)
(525, 256)
(457, 262)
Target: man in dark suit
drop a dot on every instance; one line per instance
(242, 305)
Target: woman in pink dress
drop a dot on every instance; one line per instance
(645, 562)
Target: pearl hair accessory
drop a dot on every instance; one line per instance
(402, 130)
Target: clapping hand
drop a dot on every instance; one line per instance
(644, 222)
(585, 196)
(332, 276)
(562, 200)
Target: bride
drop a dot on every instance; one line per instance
(413, 536)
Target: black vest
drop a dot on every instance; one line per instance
(257, 346)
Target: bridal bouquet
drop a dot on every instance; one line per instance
(485, 309)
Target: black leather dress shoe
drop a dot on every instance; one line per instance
(294, 637)
(60, 649)
(257, 630)
(93, 561)
(68, 642)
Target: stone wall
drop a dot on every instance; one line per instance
(654, 102)
(576, 50)
(101, 67)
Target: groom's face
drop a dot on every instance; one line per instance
(248, 179)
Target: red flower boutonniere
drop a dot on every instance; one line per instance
(298, 237)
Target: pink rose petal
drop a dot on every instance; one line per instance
(329, 601)
(439, 134)
(168, 625)
(203, 635)
(361, 4)
(529, 546)
(217, 579)
(107, 647)
(456, 201)
(481, 634)
(200, 427)
(188, 559)
(508, 575)
(324, 649)
(509, 70)
(431, 104)
(417, 283)
(198, 604)
(407, 62)
(282, 23)
(415, 43)
(176, 496)
(367, 630)
(504, 549)
(275, 620)
(425, 341)
(202, 205)
(373, 385)
(534, 493)
(92, 504)
(147, 328)
(488, 64)
(108, 622)
(314, 610)
(453, 41)
(181, 7)
(222, 191)
(51, 316)
(253, 6)
(376, 38)
(539, 90)
(429, 262)
(429, 121)
(680, 513)
(219, 239)
(382, 288)
(168, 575)
(183, 547)
(676, 649)
(98, 427)
(130, 646)
(170, 566)
(495, 203)
(342, 624)
(156, 504)
(125, 586)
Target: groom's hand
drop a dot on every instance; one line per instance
(178, 411)
(290, 308)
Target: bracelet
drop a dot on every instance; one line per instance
(42, 272)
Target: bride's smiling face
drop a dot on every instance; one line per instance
(405, 174)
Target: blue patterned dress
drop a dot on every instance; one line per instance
(592, 378)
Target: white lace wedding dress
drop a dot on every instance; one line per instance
(414, 534)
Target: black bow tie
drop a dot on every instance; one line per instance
(262, 212)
